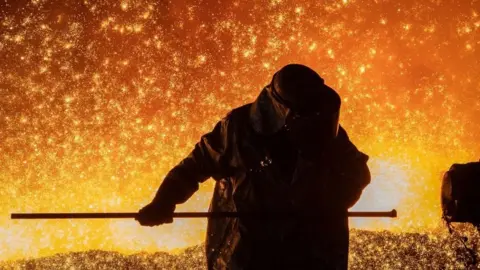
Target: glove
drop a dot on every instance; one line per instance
(156, 213)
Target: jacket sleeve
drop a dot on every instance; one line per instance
(351, 172)
(209, 158)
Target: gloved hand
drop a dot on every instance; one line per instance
(156, 213)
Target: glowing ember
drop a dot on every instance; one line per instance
(99, 100)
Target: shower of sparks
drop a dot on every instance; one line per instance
(99, 99)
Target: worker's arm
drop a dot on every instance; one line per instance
(209, 158)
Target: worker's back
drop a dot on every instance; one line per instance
(272, 177)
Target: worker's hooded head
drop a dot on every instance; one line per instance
(298, 101)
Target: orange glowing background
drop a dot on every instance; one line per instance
(99, 99)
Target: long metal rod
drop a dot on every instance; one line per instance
(389, 214)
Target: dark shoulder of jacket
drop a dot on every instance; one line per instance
(240, 116)
(237, 123)
(349, 147)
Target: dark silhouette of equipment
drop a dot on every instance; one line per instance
(461, 193)
(461, 203)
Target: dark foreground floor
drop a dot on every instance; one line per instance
(368, 250)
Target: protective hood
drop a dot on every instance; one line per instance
(267, 114)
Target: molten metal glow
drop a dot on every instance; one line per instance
(99, 100)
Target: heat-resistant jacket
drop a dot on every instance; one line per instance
(256, 170)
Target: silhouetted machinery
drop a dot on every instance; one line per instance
(461, 193)
(461, 203)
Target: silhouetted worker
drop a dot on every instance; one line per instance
(283, 153)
